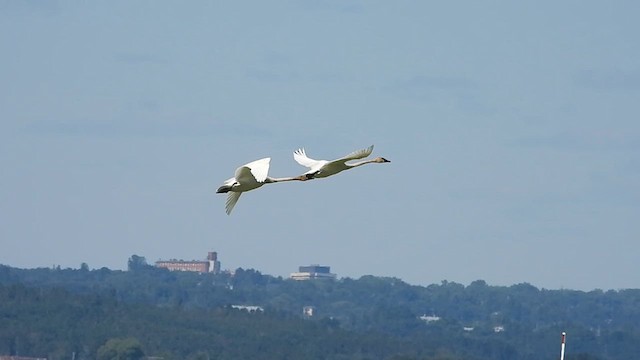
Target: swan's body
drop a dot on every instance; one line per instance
(248, 177)
(324, 168)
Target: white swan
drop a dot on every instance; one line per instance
(324, 168)
(248, 177)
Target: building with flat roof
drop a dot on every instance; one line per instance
(211, 265)
(313, 272)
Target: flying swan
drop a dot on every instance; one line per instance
(248, 177)
(324, 168)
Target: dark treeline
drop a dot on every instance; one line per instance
(176, 315)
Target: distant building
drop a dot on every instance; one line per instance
(308, 311)
(248, 308)
(211, 265)
(313, 272)
(429, 318)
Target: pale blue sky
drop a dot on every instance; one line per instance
(513, 131)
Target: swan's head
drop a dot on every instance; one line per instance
(223, 189)
(381, 160)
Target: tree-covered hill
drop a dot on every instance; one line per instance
(370, 317)
(56, 323)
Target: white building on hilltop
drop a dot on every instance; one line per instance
(211, 265)
(313, 272)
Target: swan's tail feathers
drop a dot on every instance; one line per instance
(232, 199)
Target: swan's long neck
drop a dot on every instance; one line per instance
(360, 163)
(270, 180)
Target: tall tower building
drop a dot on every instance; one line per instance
(214, 264)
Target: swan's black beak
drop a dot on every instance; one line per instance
(223, 189)
(385, 160)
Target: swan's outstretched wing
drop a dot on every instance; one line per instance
(232, 199)
(300, 156)
(257, 170)
(358, 154)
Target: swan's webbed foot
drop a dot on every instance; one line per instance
(312, 175)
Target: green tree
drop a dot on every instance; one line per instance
(137, 263)
(121, 349)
